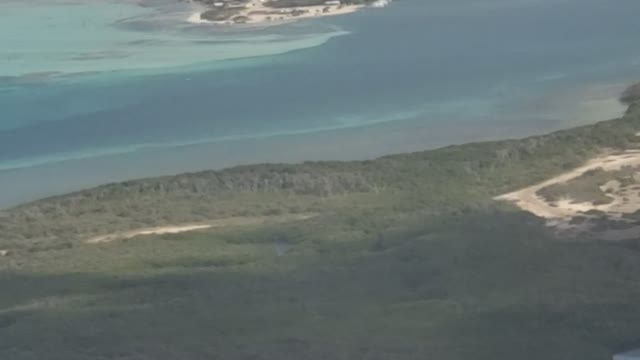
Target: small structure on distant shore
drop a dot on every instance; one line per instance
(631, 355)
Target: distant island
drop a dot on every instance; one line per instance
(266, 12)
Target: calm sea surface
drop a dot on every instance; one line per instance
(111, 91)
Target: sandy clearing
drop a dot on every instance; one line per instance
(560, 213)
(148, 231)
(176, 229)
(528, 200)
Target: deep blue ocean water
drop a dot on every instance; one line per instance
(131, 97)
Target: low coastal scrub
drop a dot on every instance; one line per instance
(590, 187)
(357, 284)
(631, 94)
(585, 188)
(219, 14)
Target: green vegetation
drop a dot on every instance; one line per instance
(408, 258)
(220, 14)
(302, 3)
(589, 187)
(585, 188)
(631, 94)
(357, 286)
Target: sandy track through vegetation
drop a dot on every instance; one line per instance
(528, 199)
(176, 229)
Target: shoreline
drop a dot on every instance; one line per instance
(393, 137)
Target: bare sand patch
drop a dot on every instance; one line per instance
(559, 214)
(528, 199)
(218, 223)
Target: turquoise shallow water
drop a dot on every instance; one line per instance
(55, 52)
(45, 37)
(137, 91)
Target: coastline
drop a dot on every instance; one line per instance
(363, 142)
